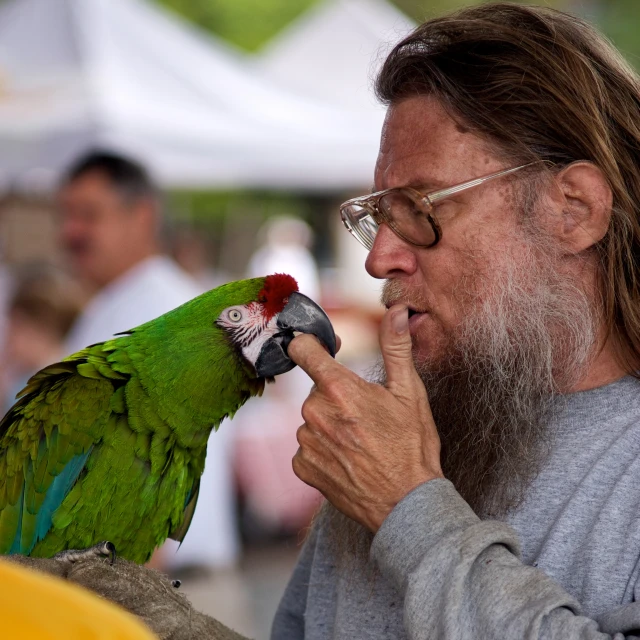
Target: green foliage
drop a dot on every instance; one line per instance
(249, 24)
(620, 20)
(246, 23)
(196, 206)
(421, 9)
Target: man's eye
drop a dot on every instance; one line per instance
(235, 315)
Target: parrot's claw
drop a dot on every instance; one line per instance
(102, 549)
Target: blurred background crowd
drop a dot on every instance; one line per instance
(153, 149)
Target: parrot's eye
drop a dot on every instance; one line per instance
(235, 315)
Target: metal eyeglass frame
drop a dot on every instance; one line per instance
(425, 201)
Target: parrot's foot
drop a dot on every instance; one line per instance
(101, 550)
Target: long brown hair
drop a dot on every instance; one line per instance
(541, 84)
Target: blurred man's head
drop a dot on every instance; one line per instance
(109, 216)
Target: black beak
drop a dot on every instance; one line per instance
(303, 315)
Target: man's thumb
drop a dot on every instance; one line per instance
(395, 344)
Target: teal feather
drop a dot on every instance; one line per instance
(24, 542)
(57, 492)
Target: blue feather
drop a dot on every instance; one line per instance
(56, 493)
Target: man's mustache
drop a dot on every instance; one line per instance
(397, 292)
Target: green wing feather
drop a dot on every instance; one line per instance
(54, 425)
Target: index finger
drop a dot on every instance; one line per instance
(309, 354)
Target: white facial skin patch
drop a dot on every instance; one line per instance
(248, 328)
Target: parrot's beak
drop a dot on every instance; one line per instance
(300, 315)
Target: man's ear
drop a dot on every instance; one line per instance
(583, 198)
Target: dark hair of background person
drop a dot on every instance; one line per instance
(539, 84)
(128, 177)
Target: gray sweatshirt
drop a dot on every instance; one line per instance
(564, 566)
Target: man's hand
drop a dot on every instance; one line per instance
(365, 447)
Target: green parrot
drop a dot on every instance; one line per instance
(110, 443)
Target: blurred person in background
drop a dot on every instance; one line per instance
(285, 246)
(42, 309)
(275, 501)
(110, 223)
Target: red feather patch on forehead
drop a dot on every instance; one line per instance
(275, 293)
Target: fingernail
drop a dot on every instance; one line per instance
(400, 321)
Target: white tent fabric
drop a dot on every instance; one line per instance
(333, 51)
(126, 75)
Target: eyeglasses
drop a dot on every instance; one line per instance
(407, 211)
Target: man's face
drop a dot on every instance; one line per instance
(502, 325)
(423, 147)
(99, 230)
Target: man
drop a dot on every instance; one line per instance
(509, 347)
(489, 487)
(110, 223)
(110, 228)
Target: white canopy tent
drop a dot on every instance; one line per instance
(126, 75)
(333, 51)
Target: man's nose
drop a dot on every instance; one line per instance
(390, 256)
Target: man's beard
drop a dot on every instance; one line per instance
(528, 335)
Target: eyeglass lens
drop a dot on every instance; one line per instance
(407, 217)
(403, 214)
(359, 222)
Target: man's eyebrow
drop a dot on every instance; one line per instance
(422, 185)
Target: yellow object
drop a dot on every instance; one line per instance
(35, 606)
